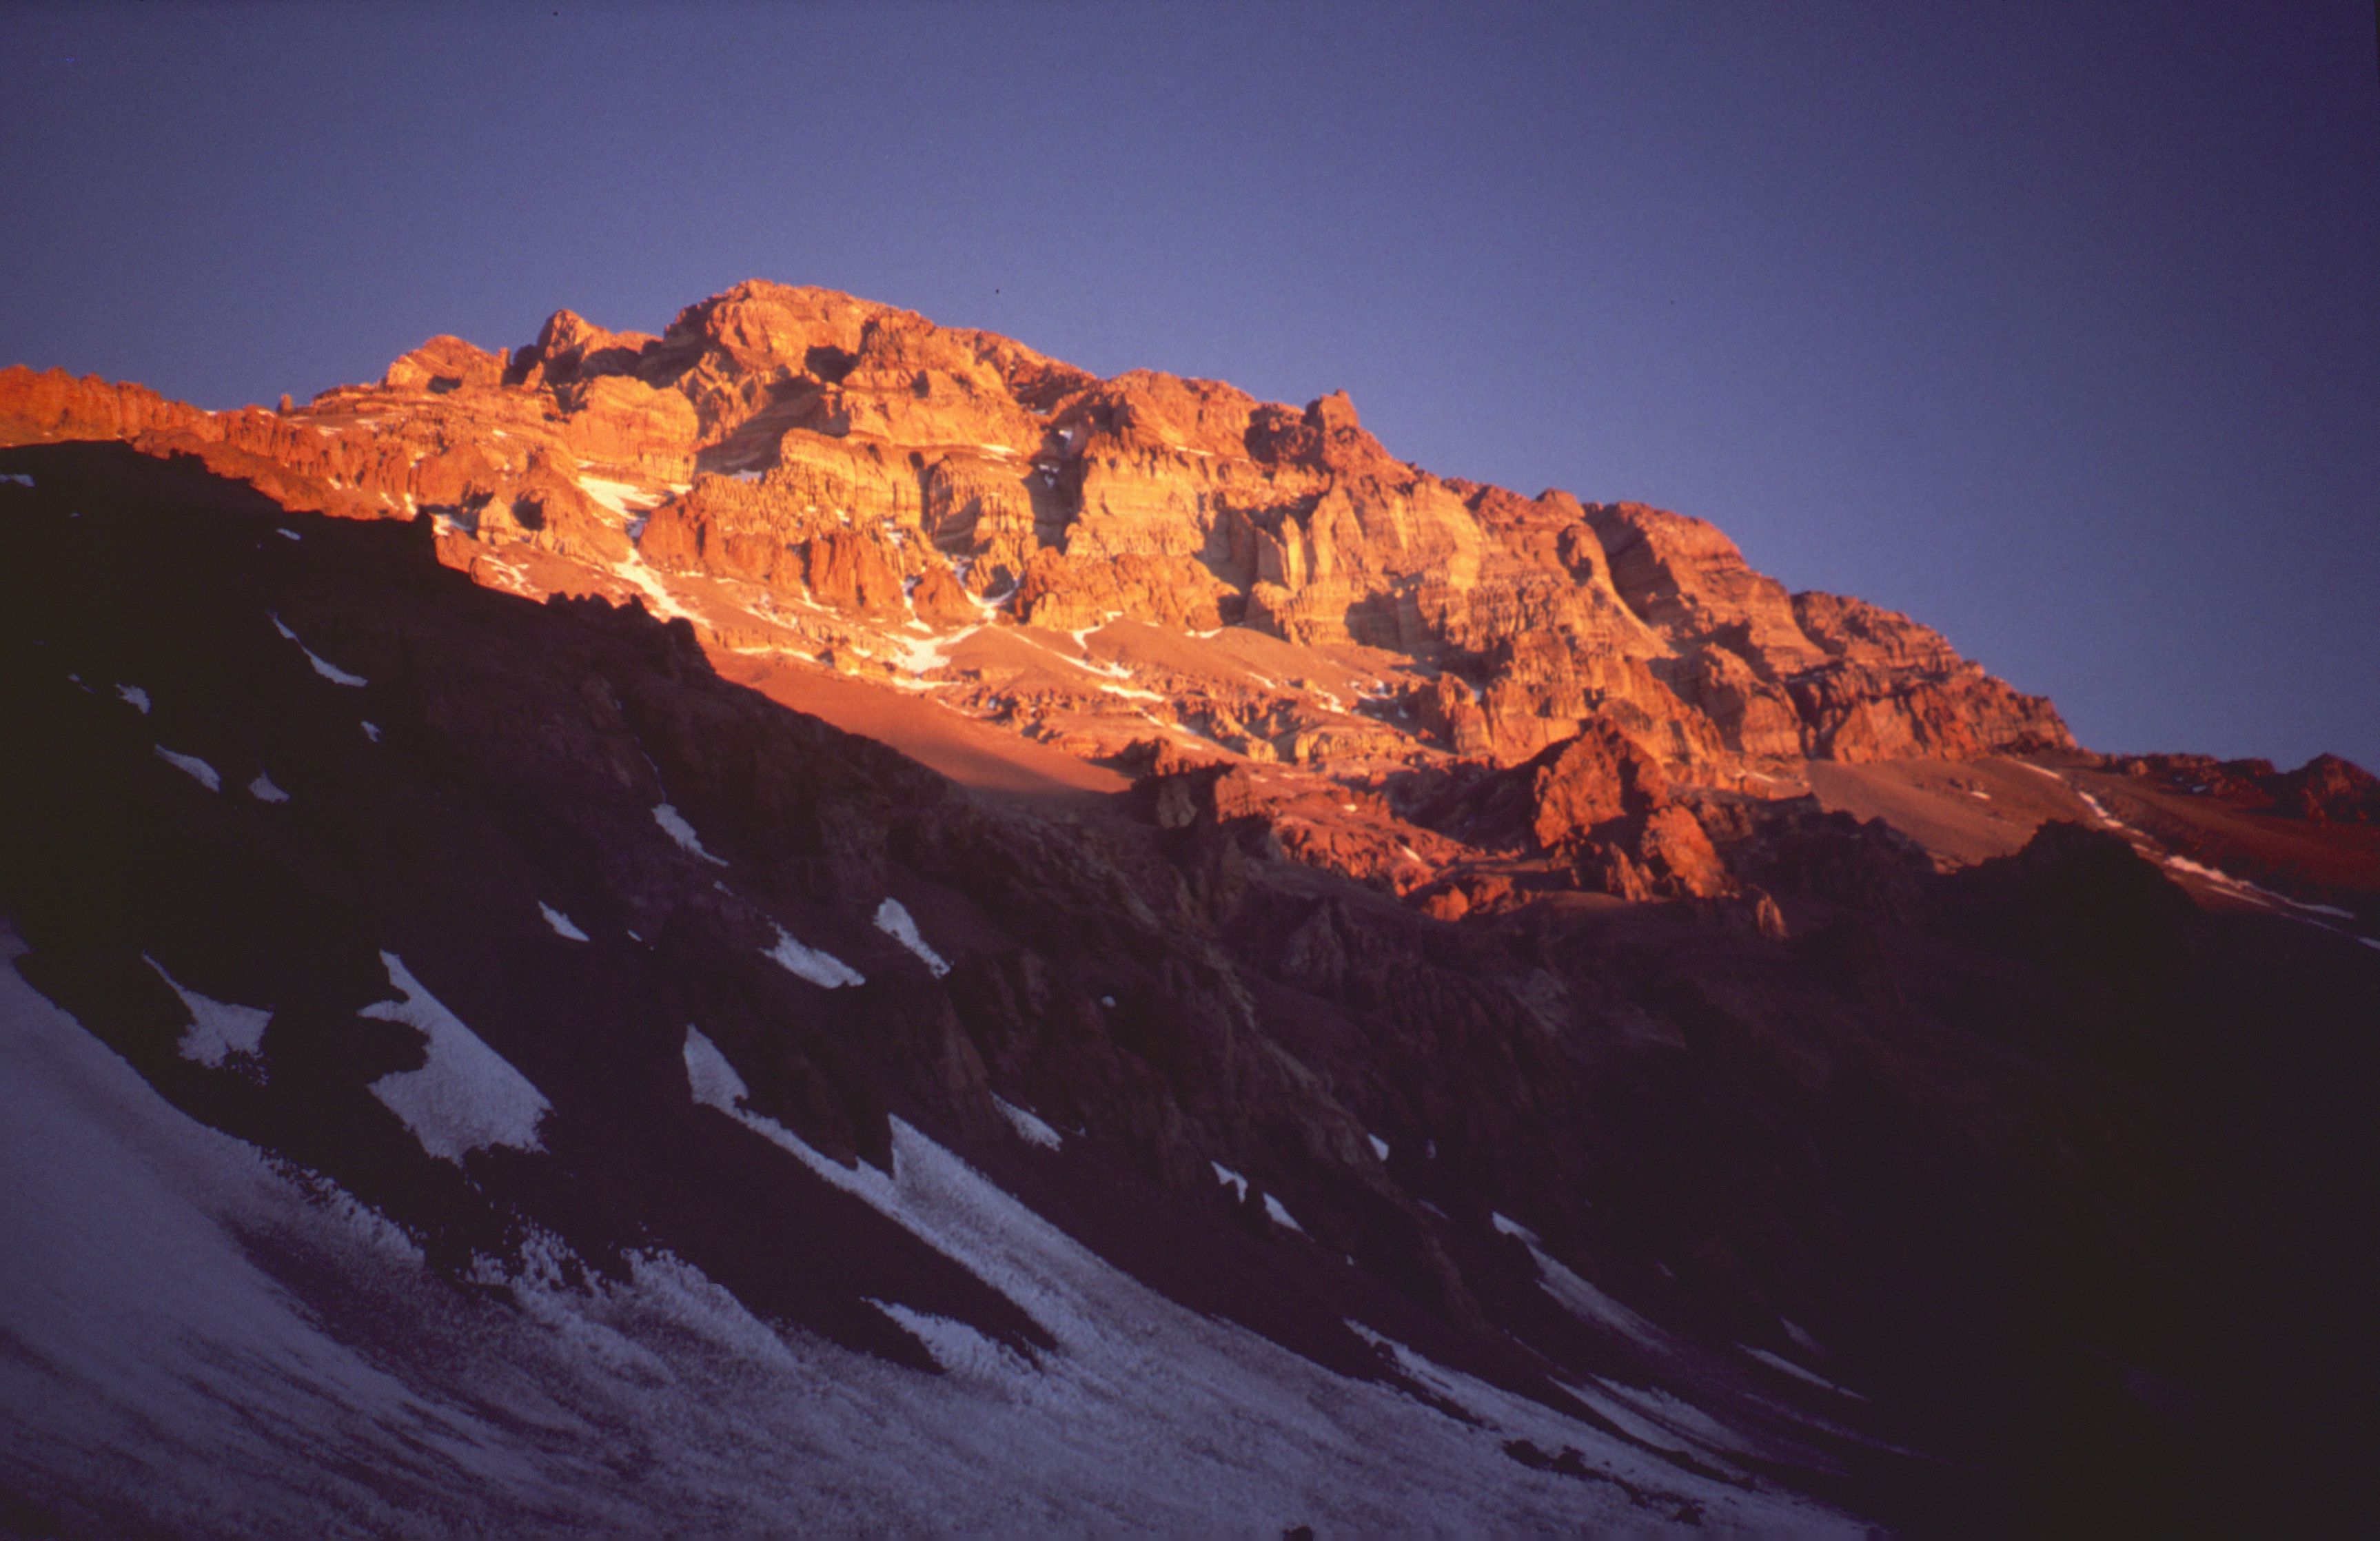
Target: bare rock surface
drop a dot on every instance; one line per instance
(1444, 997)
(856, 483)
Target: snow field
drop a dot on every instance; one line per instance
(229, 1351)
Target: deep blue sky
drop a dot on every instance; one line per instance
(2057, 326)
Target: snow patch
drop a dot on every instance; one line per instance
(920, 658)
(372, 731)
(894, 921)
(263, 790)
(196, 769)
(957, 1348)
(322, 666)
(1577, 1296)
(1661, 1420)
(467, 1096)
(1379, 1146)
(1507, 1226)
(1279, 1216)
(332, 672)
(1031, 1130)
(708, 1077)
(822, 969)
(19, 478)
(673, 823)
(2099, 812)
(1779, 1362)
(621, 497)
(1230, 1179)
(561, 923)
(218, 1030)
(2251, 891)
(288, 535)
(633, 572)
(133, 693)
(1499, 1411)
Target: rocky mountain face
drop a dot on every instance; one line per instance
(848, 471)
(1312, 995)
(811, 477)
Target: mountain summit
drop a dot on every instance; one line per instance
(1131, 571)
(824, 922)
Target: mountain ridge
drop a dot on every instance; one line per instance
(1587, 1126)
(832, 481)
(1307, 528)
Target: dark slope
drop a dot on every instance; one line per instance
(2065, 1174)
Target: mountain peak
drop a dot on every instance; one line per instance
(844, 486)
(819, 871)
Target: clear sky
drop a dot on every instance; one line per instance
(2057, 326)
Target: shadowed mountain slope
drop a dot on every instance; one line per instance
(1486, 1098)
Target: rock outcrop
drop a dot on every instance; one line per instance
(2325, 790)
(1814, 674)
(1596, 804)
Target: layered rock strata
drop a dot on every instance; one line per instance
(1118, 567)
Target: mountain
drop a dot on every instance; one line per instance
(822, 920)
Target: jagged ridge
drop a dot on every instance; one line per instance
(814, 477)
(882, 450)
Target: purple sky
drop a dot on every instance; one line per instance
(2057, 326)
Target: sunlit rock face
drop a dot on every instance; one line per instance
(818, 920)
(821, 480)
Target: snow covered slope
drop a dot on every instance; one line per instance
(589, 1094)
(200, 1339)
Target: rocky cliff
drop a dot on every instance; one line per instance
(649, 1072)
(1364, 999)
(1110, 566)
